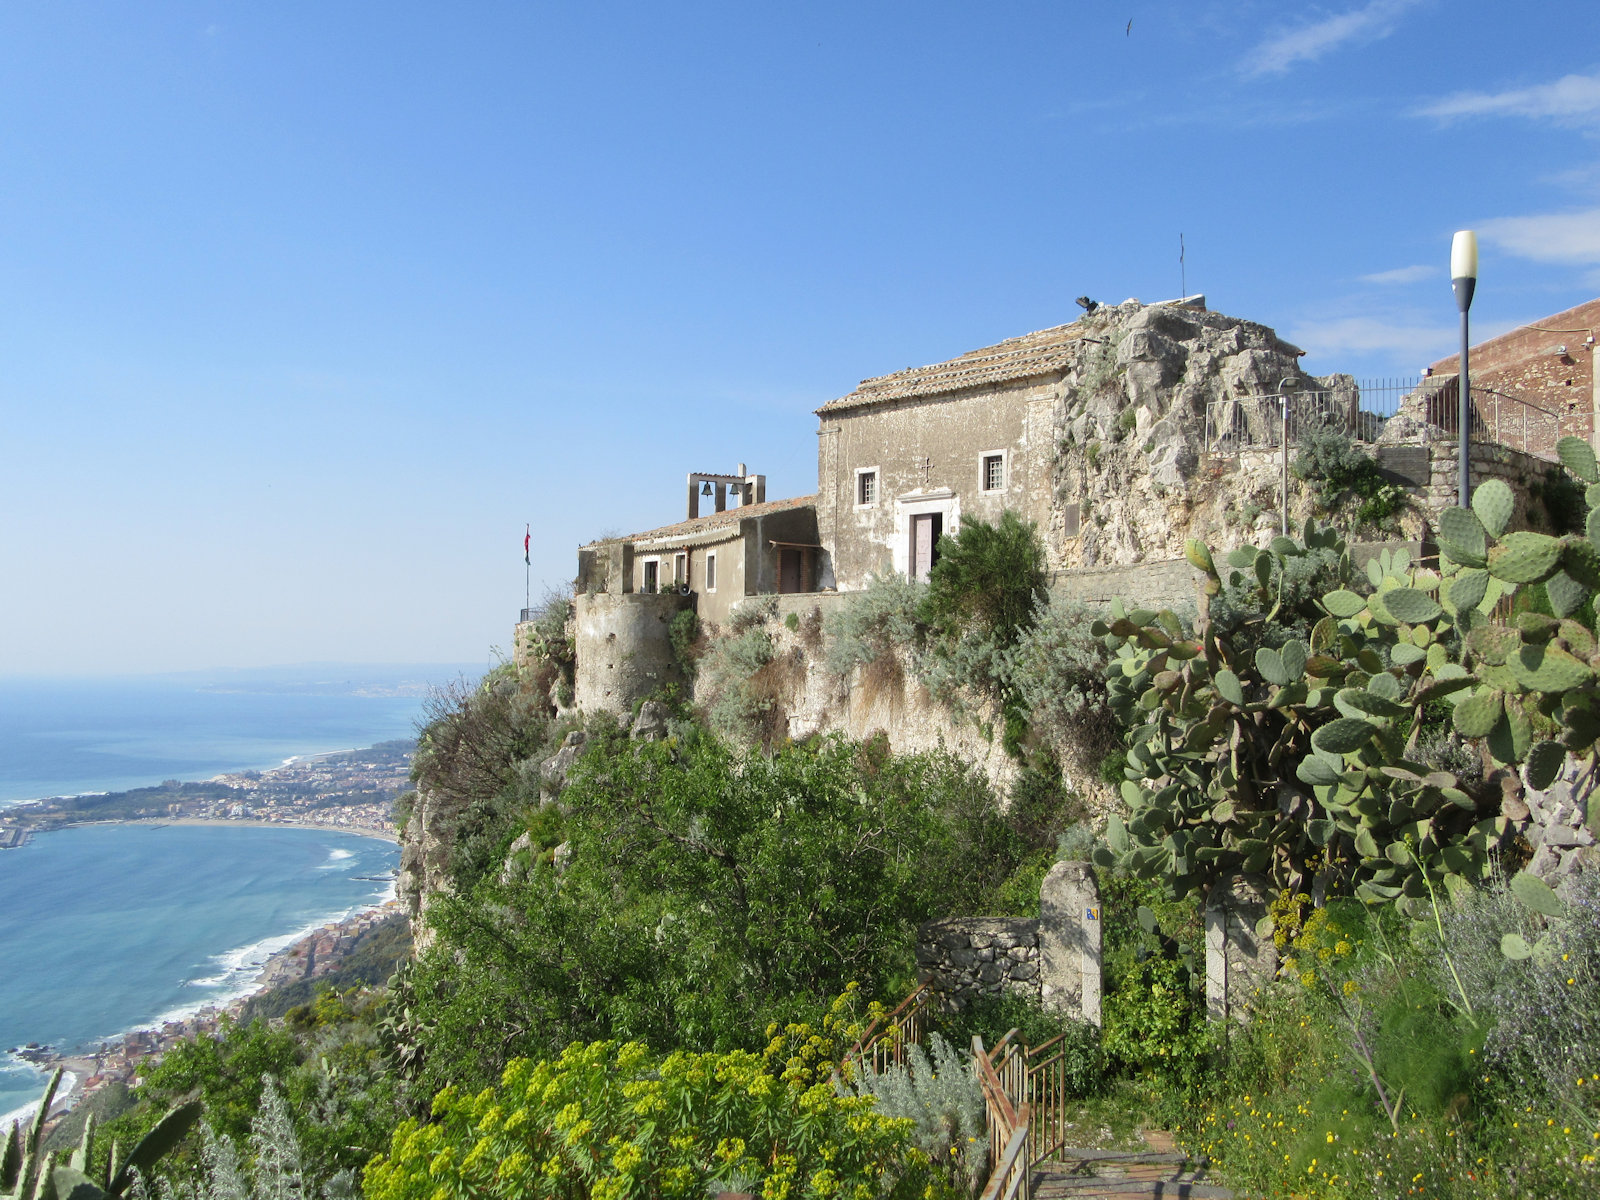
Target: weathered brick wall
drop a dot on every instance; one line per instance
(1524, 363)
(968, 957)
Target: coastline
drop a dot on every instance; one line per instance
(309, 957)
(246, 822)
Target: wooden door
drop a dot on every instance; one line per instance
(925, 529)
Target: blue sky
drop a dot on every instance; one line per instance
(310, 307)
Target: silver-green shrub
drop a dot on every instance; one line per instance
(1545, 1034)
(1058, 668)
(874, 622)
(940, 1092)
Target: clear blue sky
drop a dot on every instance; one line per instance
(309, 307)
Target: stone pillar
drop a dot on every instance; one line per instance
(1070, 941)
(1237, 960)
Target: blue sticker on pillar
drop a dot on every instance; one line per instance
(1091, 914)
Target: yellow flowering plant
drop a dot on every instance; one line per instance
(612, 1120)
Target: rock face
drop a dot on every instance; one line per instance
(1131, 430)
(1556, 828)
(553, 771)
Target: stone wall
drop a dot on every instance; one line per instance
(968, 957)
(1054, 959)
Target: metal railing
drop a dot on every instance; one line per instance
(1010, 1125)
(1261, 422)
(885, 1041)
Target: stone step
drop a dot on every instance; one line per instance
(1085, 1188)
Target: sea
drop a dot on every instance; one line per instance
(106, 929)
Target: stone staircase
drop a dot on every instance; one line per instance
(1160, 1171)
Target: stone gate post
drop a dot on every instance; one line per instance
(1237, 961)
(1070, 941)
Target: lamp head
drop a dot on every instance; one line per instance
(1464, 267)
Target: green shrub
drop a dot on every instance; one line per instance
(987, 578)
(875, 623)
(678, 918)
(1330, 458)
(684, 634)
(992, 1017)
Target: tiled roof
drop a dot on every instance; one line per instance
(1041, 353)
(715, 520)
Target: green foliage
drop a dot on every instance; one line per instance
(684, 634)
(746, 686)
(1058, 671)
(609, 1121)
(1153, 1008)
(992, 1017)
(874, 623)
(1562, 500)
(1396, 1058)
(677, 919)
(1226, 743)
(987, 578)
(29, 1171)
(477, 759)
(791, 622)
(1330, 458)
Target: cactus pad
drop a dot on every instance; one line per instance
(1343, 603)
(1478, 714)
(1462, 538)
(1492, 503)
(1410, 606)
(1467, 589)
(1547, 668)
(1344, 736)
(1577, 457)
(1524, 557)
(1544, 764)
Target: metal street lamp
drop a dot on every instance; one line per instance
(1463, 281)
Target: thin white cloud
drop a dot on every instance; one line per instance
(1402, 275)
(1572, 237)
(1410, 345)
(1570, 99)
(1308, 43)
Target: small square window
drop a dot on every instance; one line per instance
(867, 487)
(993, 473)
(711, 572)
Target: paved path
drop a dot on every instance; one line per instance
(1159, 1171)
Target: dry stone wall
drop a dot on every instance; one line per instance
(969, 957)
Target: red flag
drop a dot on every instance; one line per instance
(527, 541)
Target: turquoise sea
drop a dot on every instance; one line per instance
(105, 929)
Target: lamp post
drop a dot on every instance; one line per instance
(1463, 280)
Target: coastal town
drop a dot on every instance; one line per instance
(314, 960)
(352, 790)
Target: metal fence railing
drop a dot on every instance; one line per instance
(1261, 422)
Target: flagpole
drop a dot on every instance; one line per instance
(527, 570)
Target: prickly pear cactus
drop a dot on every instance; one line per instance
(1299, 760)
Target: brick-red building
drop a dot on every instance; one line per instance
(1548, 364)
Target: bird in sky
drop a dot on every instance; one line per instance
(1128, 32)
